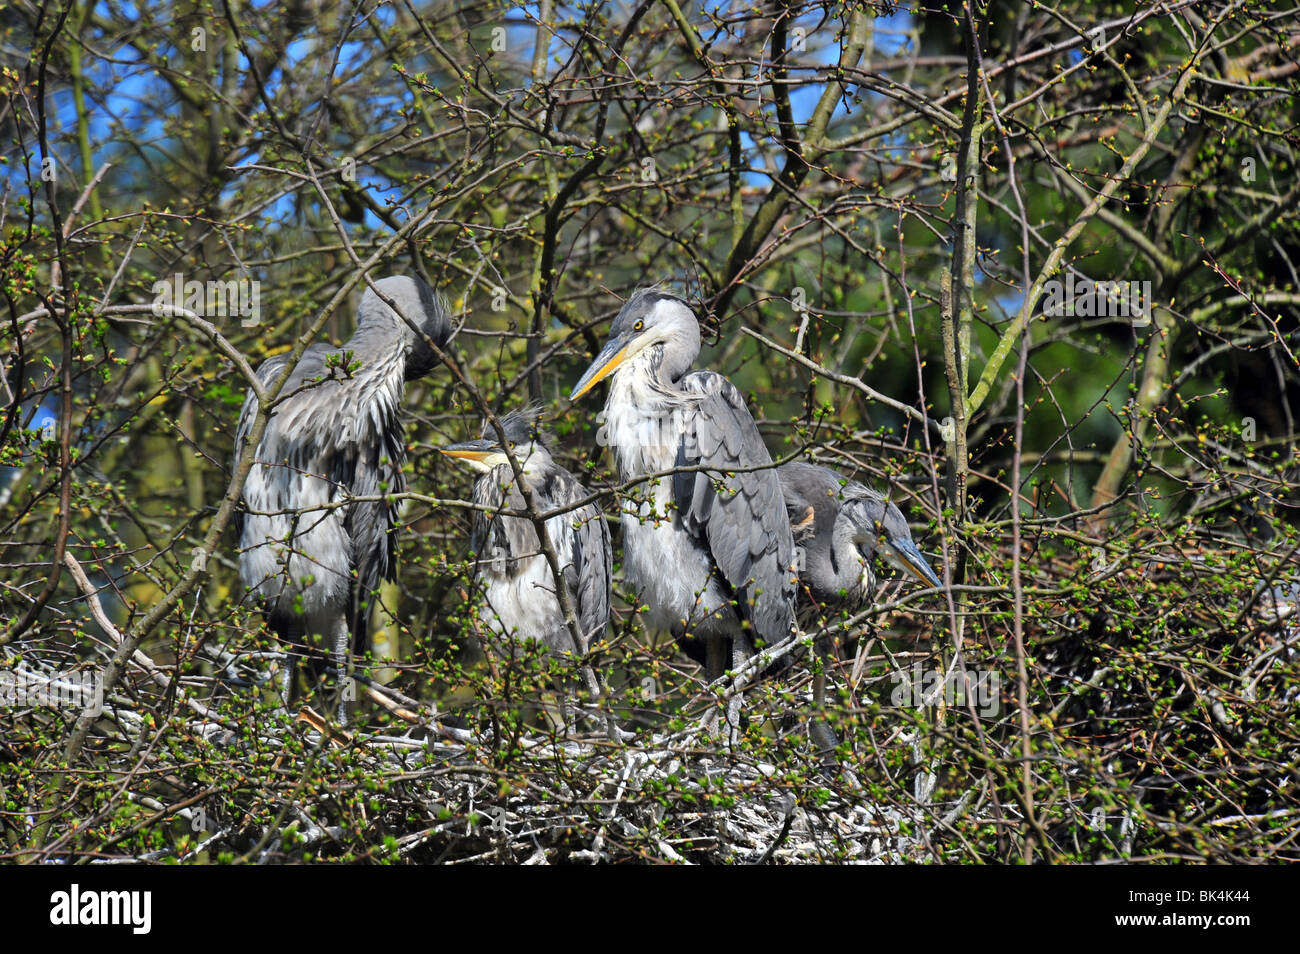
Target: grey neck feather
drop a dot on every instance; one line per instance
(371, 344)
(382, 335)
(847, 566)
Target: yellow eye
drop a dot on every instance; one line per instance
(638, 326)
(512, 445)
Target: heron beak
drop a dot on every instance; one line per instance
(477, 453)
(615, 352)
(909, 558)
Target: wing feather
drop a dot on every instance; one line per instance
(372, 524)
(741, 516)
(592, 563)
(304, 436)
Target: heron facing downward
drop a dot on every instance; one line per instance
(842, 527)
(313, 556)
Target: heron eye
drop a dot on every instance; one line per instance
(638, 326)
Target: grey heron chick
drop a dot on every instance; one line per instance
(708, 548)
(518, 587)
(841, 527)
(312, 556)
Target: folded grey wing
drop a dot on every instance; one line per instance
(376, 472)
(593, 561)
(741, 517)
(276, 446)
(265, 373)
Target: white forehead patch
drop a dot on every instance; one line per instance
(667, 308)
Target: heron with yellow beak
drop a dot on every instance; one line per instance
(707, 547)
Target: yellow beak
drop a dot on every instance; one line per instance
(466, 454)
(606, 363)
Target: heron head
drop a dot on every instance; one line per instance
(415, 302)
(650, 320)
(524, 437)
(880, 530)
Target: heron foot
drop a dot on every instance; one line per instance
(734, 705)
(344, 687)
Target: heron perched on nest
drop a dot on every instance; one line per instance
(709, 550)
(312, 554)
(841, 528)
(519, 591)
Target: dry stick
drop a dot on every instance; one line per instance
(402, 706)
(592, 497)
(55, 269)
(740, 679)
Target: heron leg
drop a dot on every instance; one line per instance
(740, 653)
(290, 636)
(823, 736)
(716, 640)
(715, 660)
(340, 638)
(287, 669)
(568, 715)
(565, 715)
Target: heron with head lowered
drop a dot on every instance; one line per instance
(317, 523)
(842, 528)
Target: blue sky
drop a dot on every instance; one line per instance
(136, 91)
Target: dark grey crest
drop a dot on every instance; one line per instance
(640, 304)
(522, 426)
